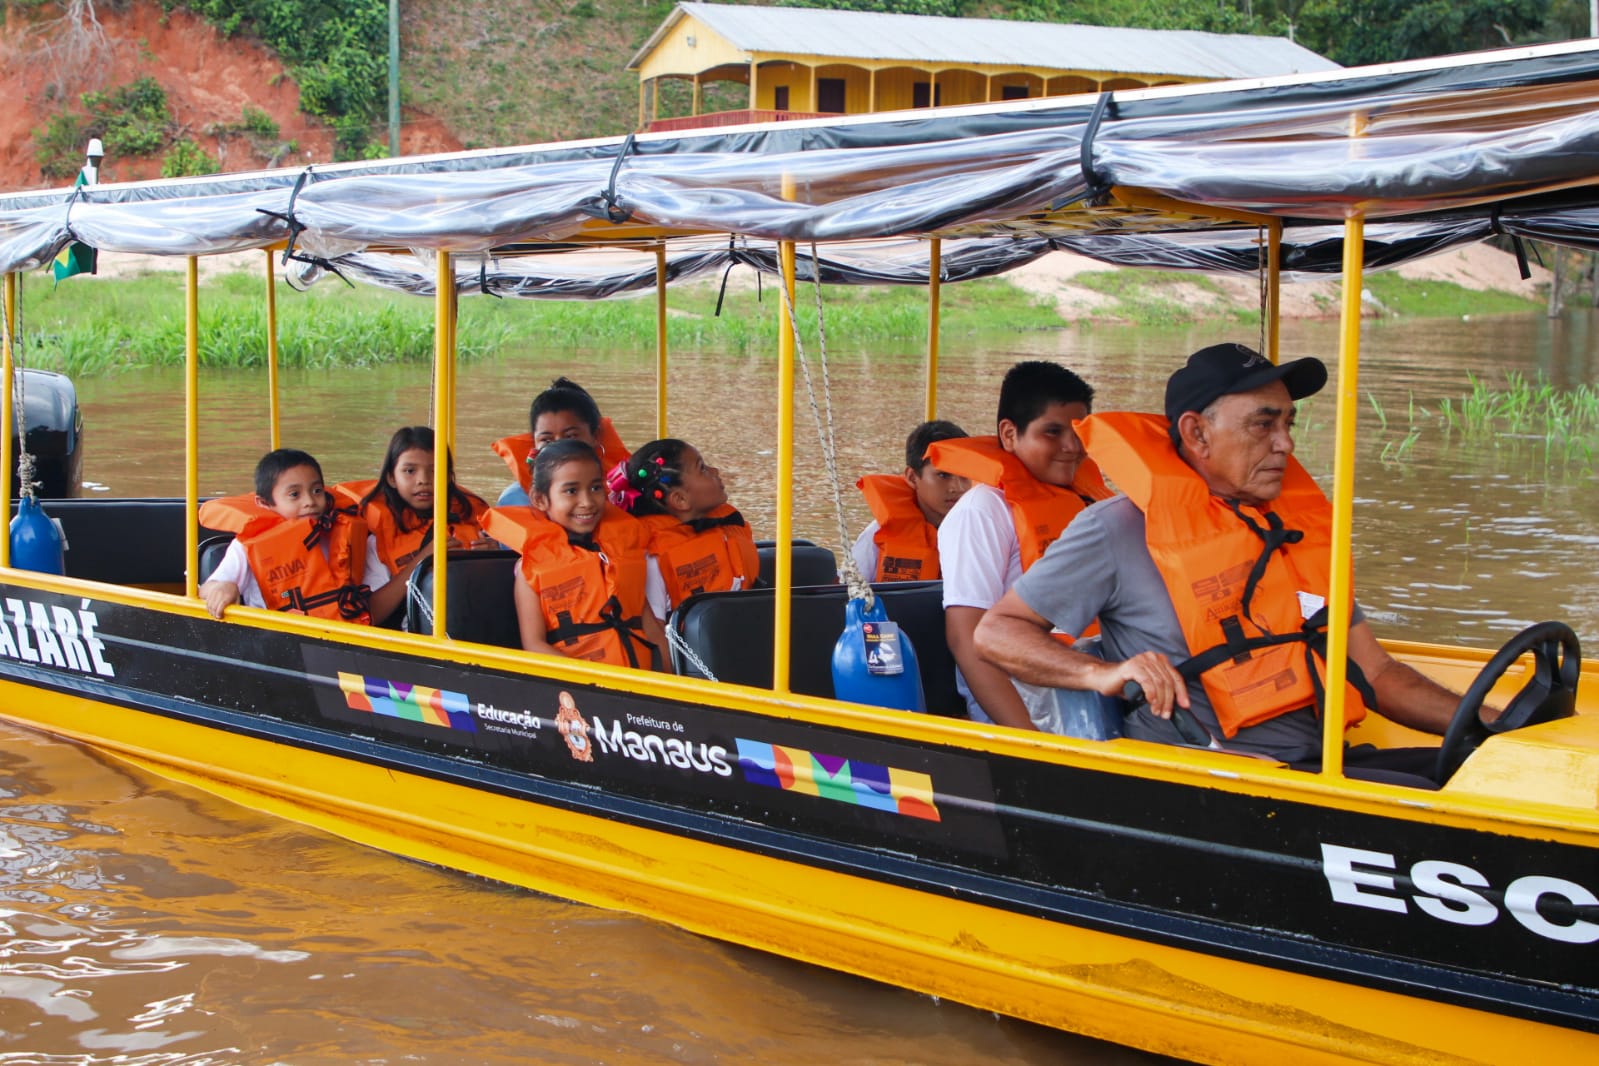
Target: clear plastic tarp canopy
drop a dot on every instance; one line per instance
(1431, 154)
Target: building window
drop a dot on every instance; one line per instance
(780, 98)
(1013, 92)
(830, 95)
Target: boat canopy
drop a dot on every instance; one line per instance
(1430, 153)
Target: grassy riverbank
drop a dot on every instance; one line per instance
(94, 326)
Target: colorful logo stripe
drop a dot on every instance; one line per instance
(864, 784)
(414, 703)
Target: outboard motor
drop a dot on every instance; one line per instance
(55, 435)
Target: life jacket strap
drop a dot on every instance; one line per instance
(321, 526)
(355, 601)
(568, 630)
(700, 525)
(1313, 635)
(1275, 536)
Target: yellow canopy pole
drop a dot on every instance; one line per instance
(443, 429)
(191, 428)
(1274, 291)
(8, 418)
(935, 303)
(1340, 584)
(660, 340)
(274, 412)
(785, 461)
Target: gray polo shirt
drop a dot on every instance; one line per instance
(1101, 568)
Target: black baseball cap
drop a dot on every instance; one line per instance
(1223, 369)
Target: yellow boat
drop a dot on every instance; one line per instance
(1181, 900)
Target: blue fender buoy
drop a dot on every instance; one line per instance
(873, 662)
(35, 540)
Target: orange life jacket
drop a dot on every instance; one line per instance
(592, 598)
(714, 554)
(287, 557)
(1041, 511)
(907, 543)
(1256, 653)
(516, 450)
(397, 546)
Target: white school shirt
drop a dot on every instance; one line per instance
(865, 552)
(980, 557)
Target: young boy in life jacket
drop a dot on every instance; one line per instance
(292, 551)
(580, 586)
(1028, 482)
(900, 543)
(698, 542)
(564, 411)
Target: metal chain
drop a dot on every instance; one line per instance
(677, 641)
(859, 588)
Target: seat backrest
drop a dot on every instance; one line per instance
(481, 599)
(124, 542)
(212, 549)
(813, 564)
(732, 634)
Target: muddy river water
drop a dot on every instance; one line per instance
(144, 923)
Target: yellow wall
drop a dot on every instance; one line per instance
(792, 75)
(674, 55)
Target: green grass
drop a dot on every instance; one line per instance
(877, 315)
(92, 326)
(1424, 298)
(89, 326)
(1564, 422)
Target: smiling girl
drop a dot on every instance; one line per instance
(580, 586)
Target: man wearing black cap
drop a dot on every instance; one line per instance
(1217, 553)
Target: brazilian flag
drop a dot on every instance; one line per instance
(76, 257)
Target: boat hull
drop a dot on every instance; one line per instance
(1182, 902)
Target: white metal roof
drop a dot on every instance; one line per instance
(933, 39)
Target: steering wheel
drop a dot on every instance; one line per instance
(1550, 693)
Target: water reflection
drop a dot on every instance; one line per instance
(143, 922)
(1456, 542)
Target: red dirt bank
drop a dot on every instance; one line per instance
(208, 80)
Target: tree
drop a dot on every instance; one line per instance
(1355, 32)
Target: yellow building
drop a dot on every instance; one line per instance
(804, 62)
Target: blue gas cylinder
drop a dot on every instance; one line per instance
(35, 540)
(873, 662)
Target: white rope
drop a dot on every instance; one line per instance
(859, 588)
(26, 482)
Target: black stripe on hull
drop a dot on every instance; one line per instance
(1222, 873)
